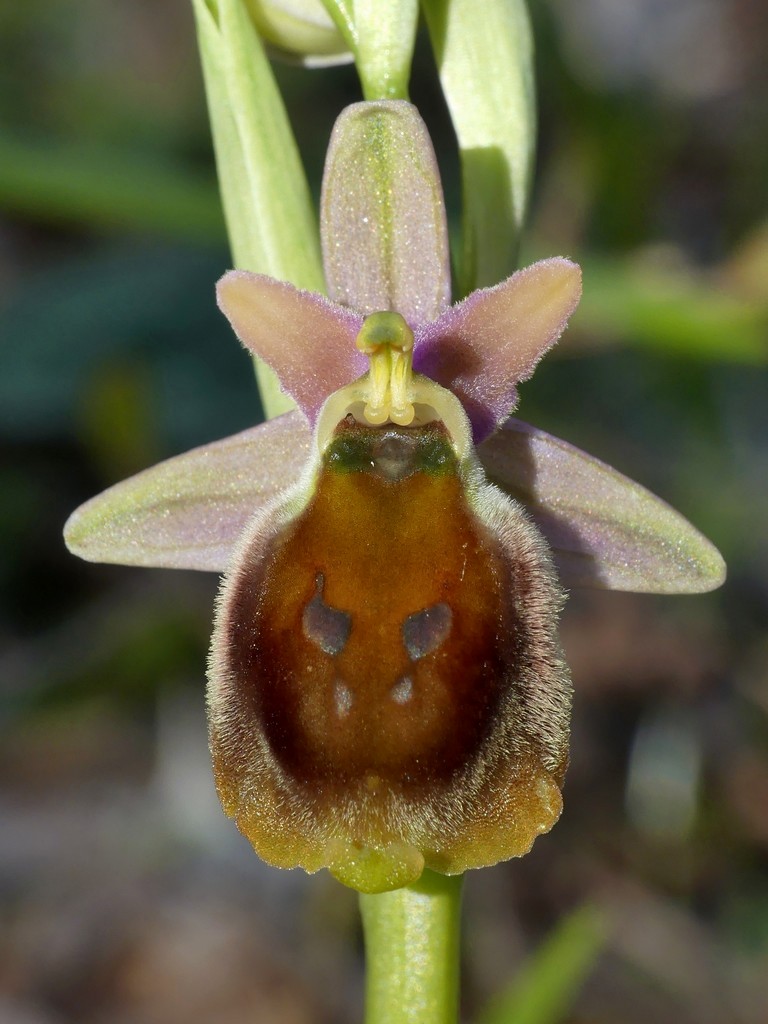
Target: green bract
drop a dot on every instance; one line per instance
(267, 205)
(484, 56)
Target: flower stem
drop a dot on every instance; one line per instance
(412, 950)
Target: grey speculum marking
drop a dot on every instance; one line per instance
(424, 631)
(394, 457)
(402, 691)
(325, 626)
(343, 698)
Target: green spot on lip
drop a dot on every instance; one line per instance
(392, 452)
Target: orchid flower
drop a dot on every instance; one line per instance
(386, 686)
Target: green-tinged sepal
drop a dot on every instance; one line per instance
(383, 226)
(484, 54)
(607, 530)
(188, 512)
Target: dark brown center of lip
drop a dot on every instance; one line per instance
(380, 637)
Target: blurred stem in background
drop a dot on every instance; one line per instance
(548, 983)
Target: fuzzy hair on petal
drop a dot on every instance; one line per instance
(481, 348)
(308, 340)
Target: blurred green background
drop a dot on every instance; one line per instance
(126, 895)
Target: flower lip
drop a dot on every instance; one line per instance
(406, 703)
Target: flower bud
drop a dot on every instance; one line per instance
(300, 30)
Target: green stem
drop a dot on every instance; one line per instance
(412, 952)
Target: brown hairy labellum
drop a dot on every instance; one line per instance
(386, 686)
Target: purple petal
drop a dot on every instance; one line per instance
(188, 512)
(308, 340)
(383, 226)
(482, 347)
(605, 529)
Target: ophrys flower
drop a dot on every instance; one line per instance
(386, 685)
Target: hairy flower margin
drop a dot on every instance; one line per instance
(386, 688)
